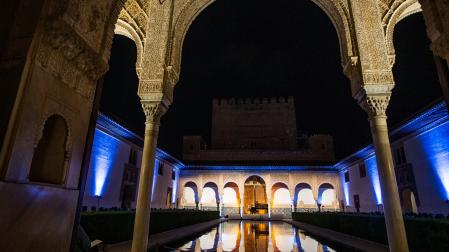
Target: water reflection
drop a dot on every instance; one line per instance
(255, 236)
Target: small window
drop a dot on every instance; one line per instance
(399, 156)
(160, 168)
(403, 157)
(132, 157)
(362, 170)
(173, 174)
(346, 176)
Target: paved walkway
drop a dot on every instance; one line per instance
(167, 236)
(349, 240)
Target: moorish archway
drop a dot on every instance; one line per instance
(255, 196)
(69, 54)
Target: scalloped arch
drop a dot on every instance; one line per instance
(336, 10)
(402, 10)
(125, 29)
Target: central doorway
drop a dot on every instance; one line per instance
(255, 196)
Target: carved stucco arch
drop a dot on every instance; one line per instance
(69, 125)
(125, 29)
(338, 14)
(336, 10)
(399, 11)
(194, 186)
(68, 138)
(182, 21)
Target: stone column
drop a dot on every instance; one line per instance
(375, 106)
(293, 204)
(241, 201)
(269, 205)
(153, 112)
(198, 200)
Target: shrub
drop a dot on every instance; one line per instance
(117, 226)
(424, 234)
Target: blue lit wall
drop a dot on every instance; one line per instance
(371, 169)
(345, 186)
(175, 186)
(434, 146)
(155, 175)
(104, 151)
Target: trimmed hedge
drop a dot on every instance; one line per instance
(423, 234)
(113, 227)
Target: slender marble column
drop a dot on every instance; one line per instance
(153, 113)
(376, 107)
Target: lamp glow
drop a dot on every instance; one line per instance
(435, 146)
(175, 186)
(104, 152)
(345, 188)
(371, 165)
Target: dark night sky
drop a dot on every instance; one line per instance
(235, 49)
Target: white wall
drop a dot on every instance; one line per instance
(429, 155)
(114, 153)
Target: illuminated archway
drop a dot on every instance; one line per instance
(190, 195)
(326, 195)
(280, 195)
(231, 201)
(255, 196)
(209, 195)
(304, 196)
(230, 197)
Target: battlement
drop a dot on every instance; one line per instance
(233, 102)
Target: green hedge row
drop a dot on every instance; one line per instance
(113, 227)
(424, 234)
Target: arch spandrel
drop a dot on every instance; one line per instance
(187, 10)
(125, 29)
(400, 10)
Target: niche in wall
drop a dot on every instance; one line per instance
(50, 154)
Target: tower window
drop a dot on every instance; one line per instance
(160, 168)
(346, 176)
(362, 170)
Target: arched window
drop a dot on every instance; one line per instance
(50, 154)
(189, 195)
(230, 196)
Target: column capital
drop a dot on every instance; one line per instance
(154, 111)
(375, 105)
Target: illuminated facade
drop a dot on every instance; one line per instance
(420, 151)
(52, 63)
(113, 176)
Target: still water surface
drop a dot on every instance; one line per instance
(253, 236)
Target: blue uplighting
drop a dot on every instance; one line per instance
(175, 186)
(435, 145)
(104, 151)
(345, 188)
(371, 166)
(155, 175)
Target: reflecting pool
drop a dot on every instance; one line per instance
(253, 236)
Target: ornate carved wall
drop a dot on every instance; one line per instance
(68, 52)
